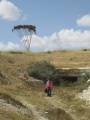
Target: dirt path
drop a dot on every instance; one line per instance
(40, 115)
(32, 108)
(23, 106)
(28, 108)
(9, 107)
(56, 103)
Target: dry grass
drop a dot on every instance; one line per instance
(16, 85)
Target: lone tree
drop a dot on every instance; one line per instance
(25, 33)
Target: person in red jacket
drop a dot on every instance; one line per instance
(48, 87)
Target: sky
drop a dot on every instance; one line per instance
(60, 24)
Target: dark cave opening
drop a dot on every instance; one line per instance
(70, 78)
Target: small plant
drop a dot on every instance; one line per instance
(85, 49)
(16, 52)
(41, 70)
(3, 81)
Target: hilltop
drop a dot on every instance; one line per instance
(22, 97)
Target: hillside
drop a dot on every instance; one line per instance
(23, 98)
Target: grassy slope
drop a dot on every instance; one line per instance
(16, 85)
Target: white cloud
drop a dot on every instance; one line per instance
(71, 39)
(9, 46)
(84, 21)
(64, 39)
(8, 10)
(45, 43)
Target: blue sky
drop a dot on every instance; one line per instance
(60, 24)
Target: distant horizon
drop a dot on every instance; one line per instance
(46, 51)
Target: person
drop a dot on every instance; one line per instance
(48, 87)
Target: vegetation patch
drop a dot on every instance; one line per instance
(58, 114)
(43, 69)
(16, 52)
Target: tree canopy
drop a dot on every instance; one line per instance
(25, 33)
(28, 27)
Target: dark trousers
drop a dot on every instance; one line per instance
(49, 92)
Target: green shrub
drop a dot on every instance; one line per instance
(43, 69)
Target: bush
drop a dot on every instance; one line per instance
(43, 69)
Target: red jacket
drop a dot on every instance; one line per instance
(49, 84)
